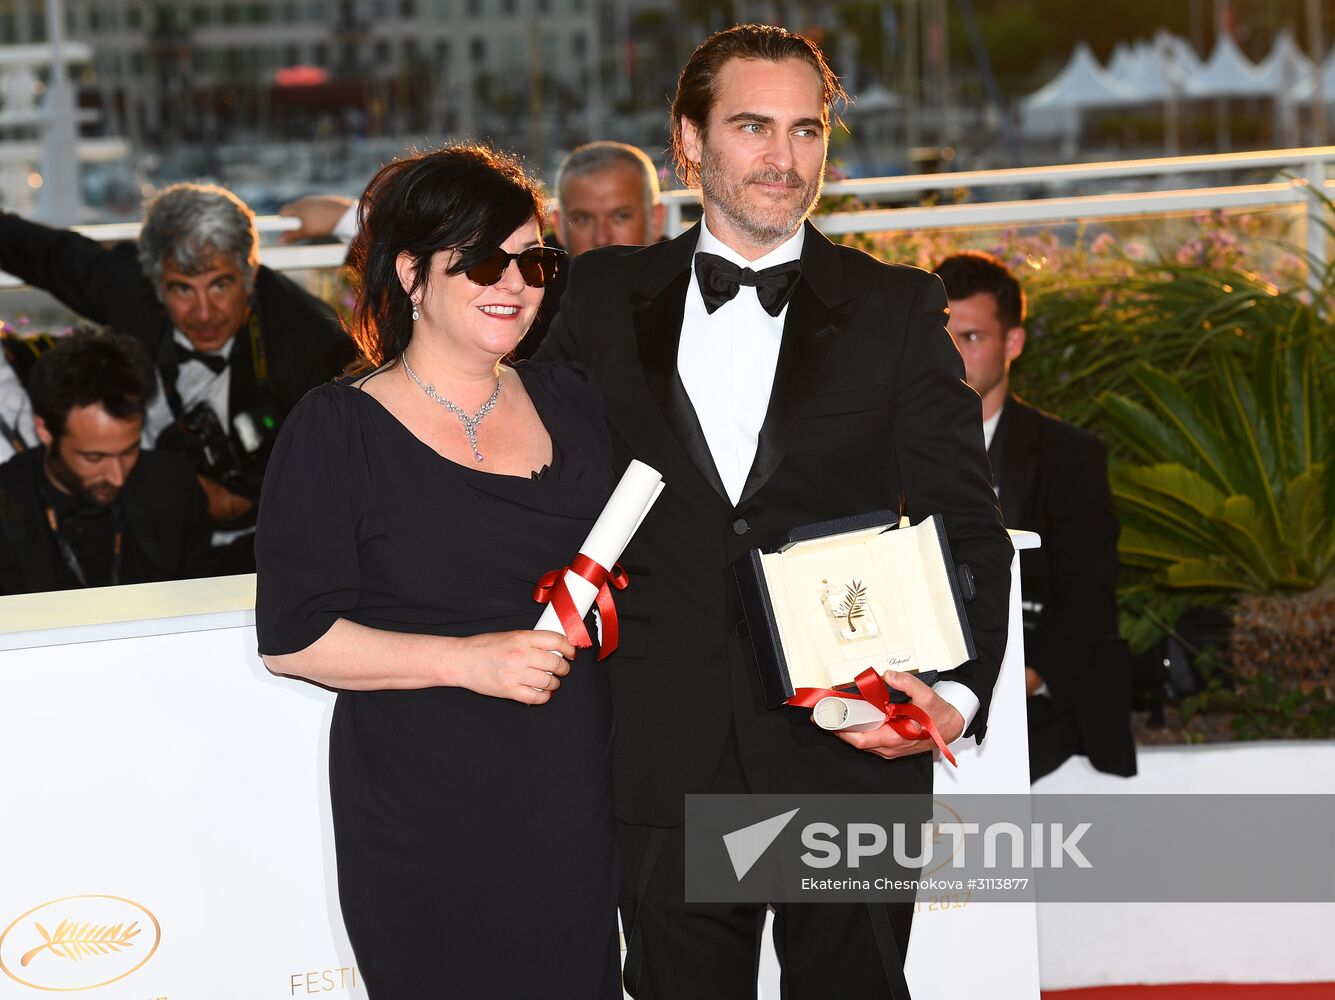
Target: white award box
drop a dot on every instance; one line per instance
(845, 595)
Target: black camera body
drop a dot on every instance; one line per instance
(234, 460)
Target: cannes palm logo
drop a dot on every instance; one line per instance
(745, 846)
(79, 943)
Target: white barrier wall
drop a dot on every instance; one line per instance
(169, 786)
(166, 828)
(1085, 944)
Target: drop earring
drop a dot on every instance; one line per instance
(416, 314)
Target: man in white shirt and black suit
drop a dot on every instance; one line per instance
(775, 380)
(1051, 478)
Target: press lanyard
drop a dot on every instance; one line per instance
(72, 560)
(11, 434)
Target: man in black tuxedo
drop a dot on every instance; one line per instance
(1051, 478)
(236, 345)
(87, 508)
(775, 380)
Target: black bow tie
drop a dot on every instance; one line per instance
(719, 280)
(214, 362)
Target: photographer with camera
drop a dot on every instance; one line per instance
(235, 344)
(87, 508)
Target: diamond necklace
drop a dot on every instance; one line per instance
(470, 423)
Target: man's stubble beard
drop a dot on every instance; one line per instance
(730, 200)
(70, 482)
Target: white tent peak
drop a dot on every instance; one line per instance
(1151, 67)
(1286, 66)
(1228, 73)
(1082, 83)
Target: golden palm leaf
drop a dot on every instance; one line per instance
(77, 941)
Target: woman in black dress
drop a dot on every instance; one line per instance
(405, 518)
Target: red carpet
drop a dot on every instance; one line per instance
(1201, 991)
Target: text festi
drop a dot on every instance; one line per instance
(323, 981)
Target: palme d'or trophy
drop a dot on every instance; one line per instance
(843, 596)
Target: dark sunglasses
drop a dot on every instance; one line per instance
(537, 266)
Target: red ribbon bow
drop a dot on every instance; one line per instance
(905, 718)
(552, 589)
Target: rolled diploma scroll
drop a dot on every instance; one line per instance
(849, 715)
(616, 525)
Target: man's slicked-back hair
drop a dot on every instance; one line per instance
(111, 370)
(975, 272)
(594, 157)
(191, 224)
(461, 197)
(696, 85)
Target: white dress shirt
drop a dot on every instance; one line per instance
(195, 381)
(726, 362)
(990, 426)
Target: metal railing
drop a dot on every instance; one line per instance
(1304, 170)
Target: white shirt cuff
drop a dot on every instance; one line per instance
(345, 229)
(961, 699)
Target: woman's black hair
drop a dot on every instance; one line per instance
(461, 197)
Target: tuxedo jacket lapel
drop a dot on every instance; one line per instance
(658, 306)
(810, 334)
(1014, 459)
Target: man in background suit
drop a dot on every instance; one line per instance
(775, 380)
(606, 195)
(1050, 478)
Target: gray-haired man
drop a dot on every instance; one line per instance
(236, 345)
(607, 195)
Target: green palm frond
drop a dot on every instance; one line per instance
(1230, 491)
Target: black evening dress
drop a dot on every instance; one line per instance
(474, 835)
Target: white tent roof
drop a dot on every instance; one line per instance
(1183, 54)
(1149, 66)
(1286, 67)
(1082, 83)
(1228, 73)
(1125, 63)
(1303, 90)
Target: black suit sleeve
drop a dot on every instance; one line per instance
(938, 433)
(198, 558)
(560, 341)
(74, 269)
(1080, 544)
